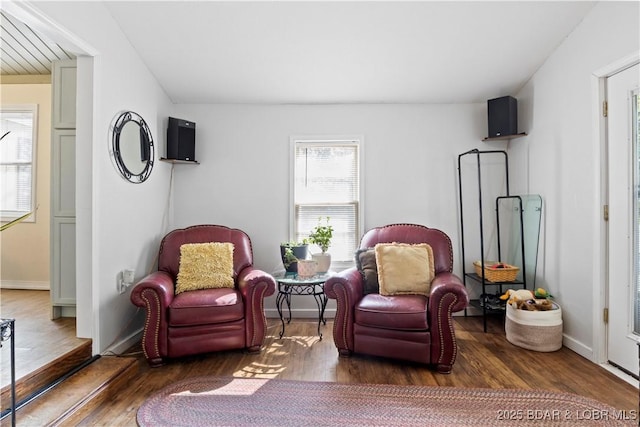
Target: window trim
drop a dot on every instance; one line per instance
(10, 215)
(328, 140)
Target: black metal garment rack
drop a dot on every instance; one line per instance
(480, 278)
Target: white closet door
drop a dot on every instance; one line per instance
(64, 94)
(63, 190)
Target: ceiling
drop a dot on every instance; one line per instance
(24, 51)
(305, 52)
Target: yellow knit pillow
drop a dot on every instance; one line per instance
(404, 268)
(204, 266)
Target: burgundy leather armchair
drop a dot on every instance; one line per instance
(409, 327)
(205, 320)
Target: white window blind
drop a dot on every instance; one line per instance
(17, 160)
(327, 184)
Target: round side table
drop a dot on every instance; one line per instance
(291, 284)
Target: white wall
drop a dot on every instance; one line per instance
(125, 221)
(410, 160)
(560, 160)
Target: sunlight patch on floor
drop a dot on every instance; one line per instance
(303, 340)
(259, 370)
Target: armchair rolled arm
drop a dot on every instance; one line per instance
(351, 279)
(255, 285)
(448, 283)
(251, 277)
(347, 289)
(158, 281)
(448, 295)
(154, 293)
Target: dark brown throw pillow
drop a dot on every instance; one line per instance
(366, 263)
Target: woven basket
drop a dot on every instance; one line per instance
(508, 274)
(534, 330)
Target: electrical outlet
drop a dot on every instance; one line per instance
(125, 280)
(128, 276)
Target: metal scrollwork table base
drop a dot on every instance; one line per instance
(291, 284)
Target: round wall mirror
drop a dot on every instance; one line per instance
(132, 146)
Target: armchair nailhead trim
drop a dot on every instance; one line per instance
(147, 321)
(341, 312)
(254, 314)
(253, 320)
(451, 331)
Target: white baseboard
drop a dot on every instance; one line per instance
(578, 347)
(58, 311)
(24, 285)
(124, 344)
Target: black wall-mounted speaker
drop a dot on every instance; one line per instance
(181, 140)
(503, 116)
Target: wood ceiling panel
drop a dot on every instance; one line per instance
(24, 52)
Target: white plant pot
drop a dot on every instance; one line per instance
(323, 261)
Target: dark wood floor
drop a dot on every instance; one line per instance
(38, 339)
(484, 360)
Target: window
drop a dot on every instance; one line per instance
(326, 183)
(17, 160)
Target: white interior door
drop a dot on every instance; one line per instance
(63, 189)
(623, 328)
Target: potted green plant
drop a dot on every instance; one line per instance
(291, 252)
(321, 236)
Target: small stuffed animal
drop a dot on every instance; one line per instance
(517, 298)
(542, 293)
(537, 305)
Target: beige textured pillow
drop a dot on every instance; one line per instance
(205, 266)
(404, 268)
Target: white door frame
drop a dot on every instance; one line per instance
(600, 293)
(87, 308)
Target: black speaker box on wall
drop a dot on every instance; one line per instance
(181, 140)
(503, 116)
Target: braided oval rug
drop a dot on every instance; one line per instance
(228, 401)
